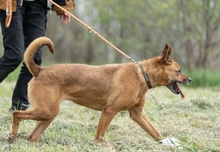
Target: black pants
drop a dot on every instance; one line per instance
(28, 23)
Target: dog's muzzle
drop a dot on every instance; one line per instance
(175, 88)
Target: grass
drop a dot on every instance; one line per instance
(204, 77)
(193, 120)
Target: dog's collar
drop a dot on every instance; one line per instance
(145, 76)
(148, 83)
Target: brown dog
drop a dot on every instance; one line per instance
(108, 88)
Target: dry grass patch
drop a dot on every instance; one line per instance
(194, 121)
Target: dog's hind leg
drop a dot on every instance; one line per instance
(38, 130)
(17, 117)
(107, 115)
(137, 114)
(34, 114)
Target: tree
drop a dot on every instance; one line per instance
(200, 30)
(140, 29)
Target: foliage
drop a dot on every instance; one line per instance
(140, 29)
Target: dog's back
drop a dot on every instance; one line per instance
(90, 86)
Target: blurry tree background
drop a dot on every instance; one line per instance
(140, 29)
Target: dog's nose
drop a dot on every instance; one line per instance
(189, 80)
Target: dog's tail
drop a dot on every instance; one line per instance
(31, 51)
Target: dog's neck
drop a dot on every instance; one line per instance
(146, 77)
(153, 70)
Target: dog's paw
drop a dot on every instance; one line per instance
(171, 142)
(11, 137)
(99, 139)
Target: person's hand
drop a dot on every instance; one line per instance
(65, 18)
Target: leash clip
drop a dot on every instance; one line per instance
(153, 95)
(148, 83)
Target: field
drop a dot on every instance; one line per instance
(194, 121)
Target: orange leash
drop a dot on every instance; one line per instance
(8, 13)
(92, 30)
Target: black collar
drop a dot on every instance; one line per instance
(145, 76)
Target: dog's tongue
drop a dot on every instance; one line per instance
(179, 90)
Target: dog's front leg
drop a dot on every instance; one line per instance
(106, 117)
(137, 114)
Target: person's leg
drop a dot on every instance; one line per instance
(34, 26)
(13, 42)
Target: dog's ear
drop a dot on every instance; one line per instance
(166, 54)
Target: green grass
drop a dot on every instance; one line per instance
(193, 120)
(204, 78)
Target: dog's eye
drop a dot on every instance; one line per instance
(179, 71)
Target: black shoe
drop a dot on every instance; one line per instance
(11, 110)
(23, 107)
